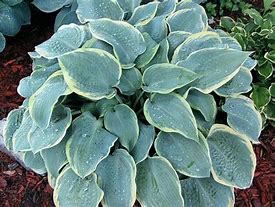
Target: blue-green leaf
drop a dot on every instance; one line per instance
(171, 113)
(88, 10)
(126, 40)
(46, 138)
(14, 120)
(243, 117)
(118, 190)
(65, 16)
(88, 144)
(164, 78)
(2, 42)
(35, 162)
(187, 156)
(104, 105)
(206, 192)
(92, 73)
(215, 65)
(72, 191)
(66, 39)
(166, 7)
(10, 23)
(175, 39)
(144, 142)
(233, 159)
(23, 12)
(42, 102)
(158, 183)
(122, 121)
(52, 5)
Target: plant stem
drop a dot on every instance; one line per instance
(138, 98)
(118, 99)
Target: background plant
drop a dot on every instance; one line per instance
(13, 14)
(132, 104)
(256, 33)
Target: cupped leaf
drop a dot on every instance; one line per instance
(92, 73)
(166, 7)
(215, 65)
(156, 28)
(35, 162)
(56, 153)
(243, 117)
(10, 23)
(20, 141)
(2, 42)
(186, 156)
(118, 190)
(44, 99)
(73, 191)
(65, 16)
(51, 6)
(122, 121)
(66, 39)
(196, 42)
(103, 105)
(14, 121)
(204, 103)
(151, 50)
(88, 144)
(128, 5)
(143, 14)
(88, 10)
(164, 78)
(187, 20)
(158, 183)
(29, 85)
(130, 81)
(206, 192)
(126, 40)
(239, 84)
(228, 168)
(96, 43)
(144, 142)
(171, 113)
(46, 138)
(175, 39)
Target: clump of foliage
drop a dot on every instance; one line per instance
(256, 33)
(218, 8)
(131, 105)
(13, 14)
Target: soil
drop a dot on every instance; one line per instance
(22, 188)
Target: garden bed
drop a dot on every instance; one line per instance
(19, 187)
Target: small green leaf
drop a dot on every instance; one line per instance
(158, 183)
(269, 111)
(171, 113)
(228, 168)
(164, 78)
(118, 190)
(84, 76)
(88, 10)
(268, 4)
(261, 96)
(46, 97)
(270, 56)
(227, 23)
(255, 15)
(73, 191)
(266, 70)
(88, 144)
(206, 192)
(144, 142)
(186, 156)
(243, 117)
(272, 90)
(122, 121)
(126, 40)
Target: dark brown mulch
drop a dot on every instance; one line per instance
(21, 188)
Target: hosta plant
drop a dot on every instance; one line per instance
(256, 33)
(13, 14)
(140, 102)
